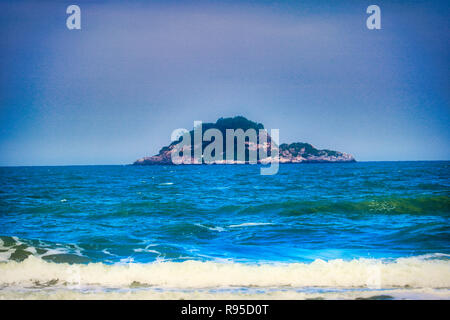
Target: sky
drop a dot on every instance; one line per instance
(115, 90)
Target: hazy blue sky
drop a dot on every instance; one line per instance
(114, 91)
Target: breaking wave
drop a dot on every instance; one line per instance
(429, 271)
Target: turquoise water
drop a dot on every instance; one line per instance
(117, 215)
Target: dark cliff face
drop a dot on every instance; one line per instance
(288, 153)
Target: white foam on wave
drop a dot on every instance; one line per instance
(106, 251)
(78, 249)
(166, 184)
(7, 251)
(5, 255)
(53, 251)
(411, 272)
(219, 229)
(125, 261)
(249, 224)
(146, 250)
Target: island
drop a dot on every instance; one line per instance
(297, 152)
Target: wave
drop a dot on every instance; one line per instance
(430, 205)
(431, 271)
(218, 229)
(146, 205)
(15, 249)
(249, 224)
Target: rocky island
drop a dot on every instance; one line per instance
(298, 152)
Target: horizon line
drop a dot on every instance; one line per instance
(131, 164)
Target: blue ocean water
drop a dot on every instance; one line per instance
(305, 212)
(225, 213)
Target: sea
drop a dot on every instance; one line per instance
(364, 230)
